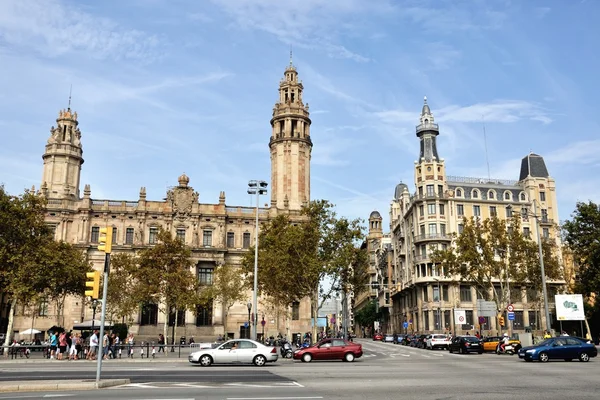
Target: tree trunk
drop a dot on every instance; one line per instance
(225, 315)
(11, 321)
(165, 328)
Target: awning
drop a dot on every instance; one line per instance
(87, 325)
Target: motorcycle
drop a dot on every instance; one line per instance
(286, 350)
(508, 349)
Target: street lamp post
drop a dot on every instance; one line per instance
(249, 322)
(257, 188)
(541, 255)
(439, 319)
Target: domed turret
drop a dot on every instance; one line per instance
(183, 180)
(400, 188)
(375, 214)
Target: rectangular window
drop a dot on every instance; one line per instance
(477, 211)
(180, 318)
(493, 212)
(425, 297)
(114, 235)
(469, 317)
(465, 293)
(181, 234)
(95, 234)
(431, 209)
(508, 212)
(542, 196)
(52, 230)
(518, 322)
(430, 191)
(526, 232)
(545, 233)
(445, 292)
(436, 293)
(533, 320)
(441, 190)
(205, 276)
(460, 228)
(432, 230)
(544, 215)
(204, 315)
(230, 239)
(426, 320)
(460, 210)
(420, 191)
(447, 319)
(422, 229)
(153, 235)
(442, 210)
(129, 236)
(295, 311)
(149, 314)
(207, 238)
(525, 214)
(421, 210)
(443, 229)
(246, 243)
(43, 307)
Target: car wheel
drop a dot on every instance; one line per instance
(206, 360)
(544, 357)
(307, 357)
(259, 360)
(584, 357)
(349, 357)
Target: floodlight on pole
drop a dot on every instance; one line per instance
(257, 188)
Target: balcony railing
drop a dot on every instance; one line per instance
(427, 127)
(468, 179)
(432, 236)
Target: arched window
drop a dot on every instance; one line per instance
(523, 198)
(507, 196)
(458, 193)
(491, 195)
(475, 194)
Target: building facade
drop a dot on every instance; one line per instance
(415, 295)
(217, 233)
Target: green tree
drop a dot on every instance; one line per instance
(66, 268)
(366, 316)
(296, 256)
(582, 236)
(228, 287)
(121, 303)
(23, 236)
(162, 275)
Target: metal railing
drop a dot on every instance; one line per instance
(468, 179)
(432, 236)
(427, 127)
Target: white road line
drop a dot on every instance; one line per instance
(273, 398)
(438, 355)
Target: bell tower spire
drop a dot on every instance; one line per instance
(427, 131)
(63, 157)
(290, 144)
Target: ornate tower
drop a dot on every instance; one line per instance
(290, 145)
(63, 157)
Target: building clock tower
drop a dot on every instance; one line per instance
(290, 145)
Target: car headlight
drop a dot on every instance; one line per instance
(530, 351)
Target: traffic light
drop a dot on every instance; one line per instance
(105, 240)
(501, 320)
(93, 283)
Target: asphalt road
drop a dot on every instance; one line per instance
(387, 371)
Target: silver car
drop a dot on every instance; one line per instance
(237, 351)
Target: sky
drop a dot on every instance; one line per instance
(164, 87)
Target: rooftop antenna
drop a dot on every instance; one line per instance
(487, 159)
(70, 91)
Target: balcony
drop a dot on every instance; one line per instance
(427, 127)
(421, 258)
(431, 236)
(546, 221)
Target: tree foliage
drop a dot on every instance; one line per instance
(228, 288)
(121, 303)
(493, 254)
(296, 256)
(582, 236)
(367, 315)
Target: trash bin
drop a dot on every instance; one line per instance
(182, 340)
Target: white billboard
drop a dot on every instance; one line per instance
(569, 307)
(460, 317)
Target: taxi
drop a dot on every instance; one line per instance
(491, 342)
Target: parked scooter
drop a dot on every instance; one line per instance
(286, 350)
(508, 349)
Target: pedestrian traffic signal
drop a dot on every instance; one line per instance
(501, 321)
(105, 240)
(93, 283)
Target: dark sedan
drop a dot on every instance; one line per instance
(560, 348)
(330, 349)
(466, 344)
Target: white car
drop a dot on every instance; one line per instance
(437, 341)
(237, 351)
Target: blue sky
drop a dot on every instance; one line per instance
(170, 86)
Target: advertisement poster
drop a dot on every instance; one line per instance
(569, 307)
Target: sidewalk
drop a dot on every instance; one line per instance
(38, 386)
(5, 362)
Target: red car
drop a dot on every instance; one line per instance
(330, 349)
(378, 336)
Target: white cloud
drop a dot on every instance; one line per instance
(504, 111)
(52, 29)
(582, 152)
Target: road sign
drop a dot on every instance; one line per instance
(460, 316)
(511, 316)
(410, 321)
(263, 322)
(486, 308)
(405, 324)
(482, 320)
(510, 308)
(246, 324)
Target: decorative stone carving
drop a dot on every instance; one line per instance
(182, 197)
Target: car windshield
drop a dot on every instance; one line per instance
(546, 342)
(471, 339)
(439, 336)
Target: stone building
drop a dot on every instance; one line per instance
(411, 289)
(217, 233)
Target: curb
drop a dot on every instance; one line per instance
(37, 386)
(104, 362)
